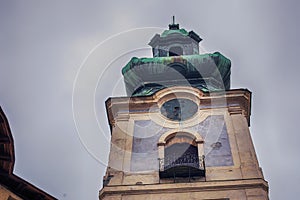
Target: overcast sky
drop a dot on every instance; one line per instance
(60, 60)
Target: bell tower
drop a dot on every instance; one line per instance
(181, 132)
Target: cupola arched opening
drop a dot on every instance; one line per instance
(176, 51)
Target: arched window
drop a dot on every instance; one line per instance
(181, 155)
(181, 151)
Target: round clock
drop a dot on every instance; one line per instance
(179, 109)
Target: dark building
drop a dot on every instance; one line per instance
(13, 187)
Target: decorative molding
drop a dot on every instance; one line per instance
(235, 110)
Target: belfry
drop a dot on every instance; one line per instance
(181, 132)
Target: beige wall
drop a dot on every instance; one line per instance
(243, 153)
(245, 173)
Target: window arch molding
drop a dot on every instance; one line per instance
(167, 135)
(197, 138)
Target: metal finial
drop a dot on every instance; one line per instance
(173, 26)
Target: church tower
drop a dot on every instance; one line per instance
(181, 132)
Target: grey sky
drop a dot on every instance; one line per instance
(44, 43)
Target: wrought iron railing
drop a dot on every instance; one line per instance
(182, 161)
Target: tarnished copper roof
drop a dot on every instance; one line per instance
(208, 72)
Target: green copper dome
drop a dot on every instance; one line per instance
(208, 72)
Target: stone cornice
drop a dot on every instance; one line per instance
(184, 187)
(237, 101)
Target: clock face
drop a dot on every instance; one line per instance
(179, 109)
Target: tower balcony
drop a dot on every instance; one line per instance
(186, 166)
